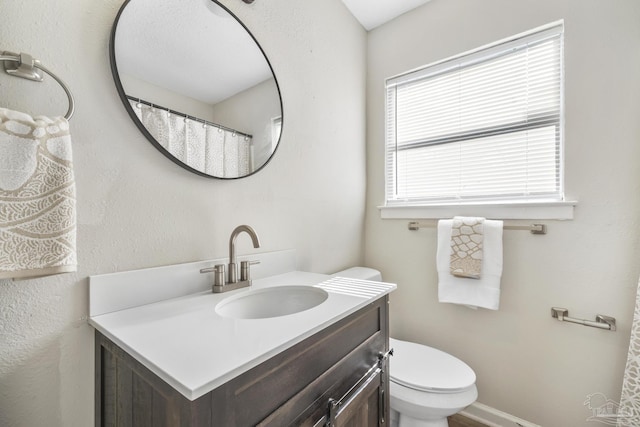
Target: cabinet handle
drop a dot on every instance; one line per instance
(382, 407)
(334, 405)
(382, 401)
(337, 406)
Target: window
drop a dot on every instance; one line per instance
(276, 130)
(483, 127)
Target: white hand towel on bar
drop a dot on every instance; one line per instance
(483, 292)
(37, 196)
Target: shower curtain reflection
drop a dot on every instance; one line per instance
(213, 150)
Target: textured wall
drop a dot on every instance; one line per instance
(527, 363)
(137, 209)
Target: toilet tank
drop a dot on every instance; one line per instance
(362, 273)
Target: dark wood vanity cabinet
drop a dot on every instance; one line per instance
(336, 377)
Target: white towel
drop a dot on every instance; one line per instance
(37, 196)
(483, 292)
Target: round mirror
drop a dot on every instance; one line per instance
(197, 85)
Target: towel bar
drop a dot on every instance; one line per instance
(534, 228)
(24, 66)
(601, 322)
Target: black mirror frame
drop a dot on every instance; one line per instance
(143, 129)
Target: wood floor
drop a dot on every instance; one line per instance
(460, 421)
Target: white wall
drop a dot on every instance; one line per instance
(527, 363)
(164, 97)
(137, 209)
(252, 111)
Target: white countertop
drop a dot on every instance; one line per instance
(194, 349)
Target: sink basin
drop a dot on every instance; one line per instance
(271, 302)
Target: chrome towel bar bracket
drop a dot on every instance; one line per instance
(25, 66)
(601, 322)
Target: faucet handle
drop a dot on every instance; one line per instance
(245, 269)
(219, 277)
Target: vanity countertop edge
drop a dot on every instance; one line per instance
(190, 346)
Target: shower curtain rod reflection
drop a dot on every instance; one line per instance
(186, 116)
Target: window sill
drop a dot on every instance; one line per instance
(533, 210)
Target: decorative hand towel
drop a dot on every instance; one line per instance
(37, 196)
(484, 292)
(466, 247)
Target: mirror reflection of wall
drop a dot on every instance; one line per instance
(197, 84)
(252, 110)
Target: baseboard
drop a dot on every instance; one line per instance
(493, 417)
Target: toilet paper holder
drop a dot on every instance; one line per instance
(601, 322)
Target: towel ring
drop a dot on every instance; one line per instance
(26, 67)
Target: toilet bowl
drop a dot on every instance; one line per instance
(426, 385)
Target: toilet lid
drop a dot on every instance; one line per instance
(424, 368)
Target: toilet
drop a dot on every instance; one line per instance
(426, 385)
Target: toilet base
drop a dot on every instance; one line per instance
(406, 421)
(416, 408)
(398, 420)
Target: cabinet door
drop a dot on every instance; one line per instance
(326, 367)
(364, 406)
(342, 383)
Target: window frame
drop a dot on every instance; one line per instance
(544, 207)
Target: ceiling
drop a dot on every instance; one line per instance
(191, 30)
(179, 44)
(372, 13)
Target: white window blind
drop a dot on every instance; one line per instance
(484, 126)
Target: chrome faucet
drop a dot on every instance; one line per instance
(233, 270)
(221, 284)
